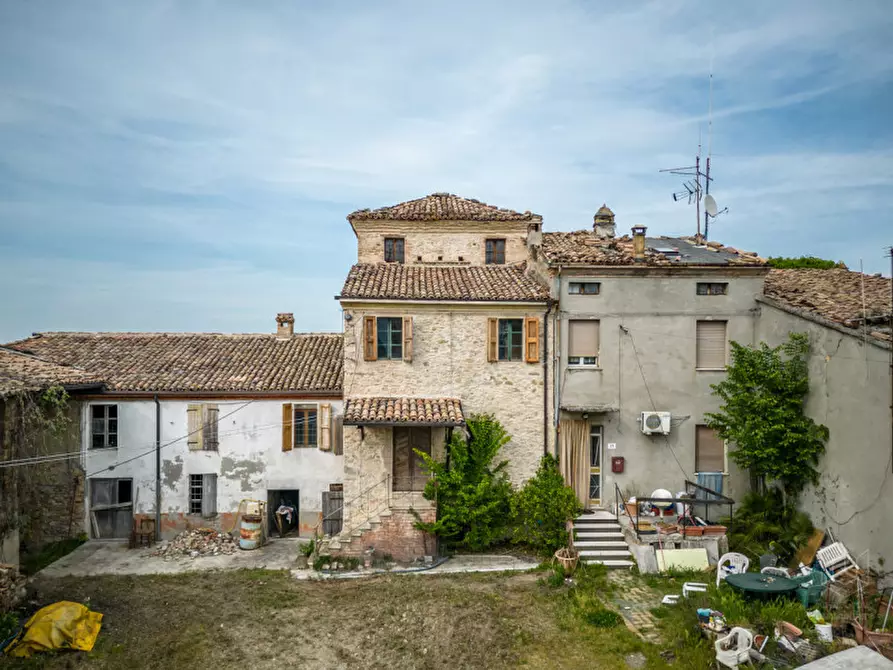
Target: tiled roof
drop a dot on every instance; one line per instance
(836, 295)
(175, 362)
(421, 282)
(583, 247)
(442, 207)
(409, 411)
(24, 372)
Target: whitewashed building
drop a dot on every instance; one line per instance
(192, 424)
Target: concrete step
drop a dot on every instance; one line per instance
(386, 512)
(604, 545)
(610, 564)
(333, 545)
(605, 554)
(596, 516)
(599, 535)
(595, 522)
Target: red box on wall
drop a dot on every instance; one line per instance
(617, 464)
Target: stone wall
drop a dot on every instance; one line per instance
(443, 241)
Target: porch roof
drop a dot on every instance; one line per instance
(403, 412)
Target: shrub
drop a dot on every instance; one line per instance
(542, 508)
(602, 618)
(764, 524)
(308, 548)
(473, 495)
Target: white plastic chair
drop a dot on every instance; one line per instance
(737, 564)
(693, 587)
(835, 559)
(778, 572)
(734, 648)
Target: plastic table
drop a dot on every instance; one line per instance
(762, 586)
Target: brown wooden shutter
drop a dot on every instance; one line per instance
(194, 427)
(711, 348)
(532, 338)
(710, 450)
(287, 419)
(402, 458)
(210, 423)
(492, 340)
(370, 351)
(407, 338)
(338, 435)
(325, 426)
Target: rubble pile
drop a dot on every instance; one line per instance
(197, 542)
(12, 587)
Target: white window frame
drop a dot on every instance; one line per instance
(598, 287)
(574, 361)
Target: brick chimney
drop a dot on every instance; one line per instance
(639, 243)
(603, 223)
(285, 324)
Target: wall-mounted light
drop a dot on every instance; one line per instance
(348, 316)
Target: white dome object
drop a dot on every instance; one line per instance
(662, 493)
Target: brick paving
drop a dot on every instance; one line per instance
(634, 600)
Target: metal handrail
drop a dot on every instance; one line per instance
(344, 504)
(718, 499)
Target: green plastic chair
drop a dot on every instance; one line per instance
(811, 587)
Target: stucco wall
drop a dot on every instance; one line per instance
(248, 462)
(850, 394)
(443, 241)
(660, 314)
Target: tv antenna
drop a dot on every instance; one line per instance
(694, 190)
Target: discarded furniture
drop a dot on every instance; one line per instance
(682, 559)
(144, 534)
(835, 560)
(734, 648)
(731, 564)
(768, 561)
(811, 587)
(758, 585)
(778, 572)
(670, 599)
(693, 587)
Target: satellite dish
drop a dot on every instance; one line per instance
(710, 205)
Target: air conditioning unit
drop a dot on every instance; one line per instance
(656, 423)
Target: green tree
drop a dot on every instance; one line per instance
(473, 494)
(762, 414)
(542, 508)
(809, 262)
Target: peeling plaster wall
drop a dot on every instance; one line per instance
(661, 314)
(849, 392)
(248, 462)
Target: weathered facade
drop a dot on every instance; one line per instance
(201, 422)
(643, 329)
(453, 325)
(847, 317)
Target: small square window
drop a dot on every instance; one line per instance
(103, 426)
(393, 250)
(584, 288)
(511, 339)
(713, 288)
(495, 254)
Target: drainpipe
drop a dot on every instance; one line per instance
(157, 469)
(556, 364)
(546, 378)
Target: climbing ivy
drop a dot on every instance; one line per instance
(762, 414)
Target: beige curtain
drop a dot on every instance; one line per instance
(574, 457)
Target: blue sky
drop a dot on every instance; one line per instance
(189, 165)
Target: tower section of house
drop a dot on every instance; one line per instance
(642, 332)
(442, 319)
(190, 425)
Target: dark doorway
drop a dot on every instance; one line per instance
(111, 508)
(284, 498)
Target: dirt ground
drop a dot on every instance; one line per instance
(265, 619)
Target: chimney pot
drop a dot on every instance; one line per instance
(603, 223)
(639, 243)
(285, 324)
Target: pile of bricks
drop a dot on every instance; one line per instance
(197, 542)
(12, 587)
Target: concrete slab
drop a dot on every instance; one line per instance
(862, 658)
(453, 565)
(109, 557)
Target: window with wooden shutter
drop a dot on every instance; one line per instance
(532, 339)
(287, 435)
(325, 426)
(582, 342)
(209, 495)
(306, 423)
(409, 468)
(370, 352)
(711, 345)
(210, 418)
(710, 450)
(194, 427)
(492, 340)
(407, 338)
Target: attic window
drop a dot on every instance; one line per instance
(393, 250)
(584, 288)
(713, 288)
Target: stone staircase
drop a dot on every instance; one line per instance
(343, 542)
(599, 539)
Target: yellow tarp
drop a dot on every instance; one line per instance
(62, 625)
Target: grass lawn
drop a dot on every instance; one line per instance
(264, 619)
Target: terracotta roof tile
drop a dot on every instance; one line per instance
(421, 282)
(834, 294)
(442, 207)
(198, 361)
(384, 411)
(24, 372)
(583, 247)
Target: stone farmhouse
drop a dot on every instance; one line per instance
(597, 347)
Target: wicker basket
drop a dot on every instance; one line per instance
(568, 559)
